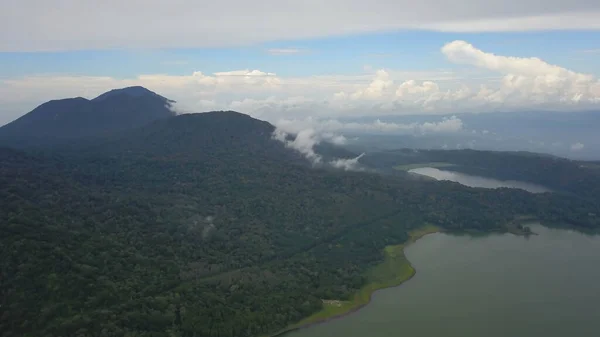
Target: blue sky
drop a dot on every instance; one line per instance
(414, 50)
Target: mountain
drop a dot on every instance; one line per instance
(64, 120)
(209, 135)
(204, 133)
(135, 91)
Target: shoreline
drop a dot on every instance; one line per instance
(413, 237)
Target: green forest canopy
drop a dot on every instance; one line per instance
(202, 225)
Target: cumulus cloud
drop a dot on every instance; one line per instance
(377, 89)
(524, 82)
(577, 147)
(411, 88)
(33, 25)
(526, 79)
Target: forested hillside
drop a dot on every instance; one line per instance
(203, 225)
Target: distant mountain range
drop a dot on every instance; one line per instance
(64, 120)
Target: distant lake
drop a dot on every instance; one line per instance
(476, 181)
(492, 286)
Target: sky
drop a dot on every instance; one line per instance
(304, 62)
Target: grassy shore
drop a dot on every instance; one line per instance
(393, 271)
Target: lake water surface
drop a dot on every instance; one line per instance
(476, 181)
(491, 286)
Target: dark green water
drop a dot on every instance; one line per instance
(491, 286)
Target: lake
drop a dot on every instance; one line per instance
(477, 181)
(489, 286)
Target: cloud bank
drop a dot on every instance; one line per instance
(35, 25)
(327, 126)
(512, 84)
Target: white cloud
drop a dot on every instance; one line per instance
(526, 79)
(336, 139)
(577, 147)
(410, 88)
(245, 73)
(33, 25)
(280, 135)
(378, 88)
(304, 142)
(464, 52)
(523, 83)
(452, 124)
(347, 164)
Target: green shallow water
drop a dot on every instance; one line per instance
(489, 286)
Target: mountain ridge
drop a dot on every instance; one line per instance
(64, 120)
(212, 134)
